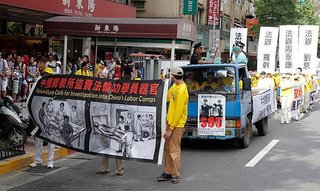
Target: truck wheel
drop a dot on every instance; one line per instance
(262, 126)
(245, 140)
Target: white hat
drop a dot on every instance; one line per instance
(177, 71)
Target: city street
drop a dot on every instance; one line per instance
(292, 164)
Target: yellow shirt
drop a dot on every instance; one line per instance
(84, 73)
(193, 85)
(213, 85)
(178, 105)
(254, 82)
(227, 81)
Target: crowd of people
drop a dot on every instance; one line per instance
(296, 91)
(19, 72)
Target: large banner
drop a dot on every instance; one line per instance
(214, 12)
(288, 48)
(211, 114)
(268, 40)
(308, 48)
(123, 119)
(264, 105)
(238, 35)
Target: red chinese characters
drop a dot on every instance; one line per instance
(143, 90)
(71, 83)
(154, 89)
(88, 85)
(43, 83)
(55, 83)
(79, 84)
(134, 88)
(63, 83)
(49, 82)
(97, 86)
(116, 88)
(106, 87)
(125, 88)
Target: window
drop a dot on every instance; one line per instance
(197, 18)
(139, 4)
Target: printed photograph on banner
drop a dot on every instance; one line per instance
(61, 121)
(268, 40)
(211, 114)
(123, 130)
(288, 48)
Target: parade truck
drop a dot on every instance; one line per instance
(223, 105)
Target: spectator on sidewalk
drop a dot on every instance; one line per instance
(51, 63)
(39, 142)
(84, 71)
(11, 63)
(3, 76)
(176, 119)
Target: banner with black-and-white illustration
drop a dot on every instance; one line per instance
(288, 48)
(211, 114)
(122, 119)
(267, 49)
(238, 36)
(308, 48)
(264, 105)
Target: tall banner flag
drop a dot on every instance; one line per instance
(267, 49)
(213, 12)
(308, 48)
(123, 119)
(288, 48)
(190, 7)
(238, 35)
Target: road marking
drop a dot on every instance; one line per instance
(261, 154)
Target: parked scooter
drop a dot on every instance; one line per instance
(12, 130)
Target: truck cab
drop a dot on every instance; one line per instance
(230, 81)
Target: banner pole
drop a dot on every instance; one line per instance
(65, 47)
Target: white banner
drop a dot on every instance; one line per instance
(288, 48)
(268, 40)
(264, 105)
(211, 114)
(238, 35)
(308, 47)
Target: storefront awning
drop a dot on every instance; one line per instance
(121, 27)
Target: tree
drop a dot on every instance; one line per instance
(285, 12)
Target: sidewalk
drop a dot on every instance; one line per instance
(19, 162)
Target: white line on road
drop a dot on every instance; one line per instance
(262, 153)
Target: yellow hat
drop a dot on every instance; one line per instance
(48, 70)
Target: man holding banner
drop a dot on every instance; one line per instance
(286, 95)
(176, 119)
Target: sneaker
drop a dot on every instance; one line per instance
(164, 177)
(35, 164)
(103, 172)
(50, 166)
(175, 180)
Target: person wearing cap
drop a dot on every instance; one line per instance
(190, 82)
(176, 119)
(210, 83)
(239, 56)
(196, 56)
(286, 97)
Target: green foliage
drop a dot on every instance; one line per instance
(285, 12)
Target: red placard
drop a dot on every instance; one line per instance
(213, 12)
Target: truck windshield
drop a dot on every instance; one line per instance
(211, 80)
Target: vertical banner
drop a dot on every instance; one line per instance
(190, 7)
(288, 48)
(308, 48)
(238, 35)
(211, 114)
(297, 103)
(123, 119)
(267, 49)
(213, 12)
